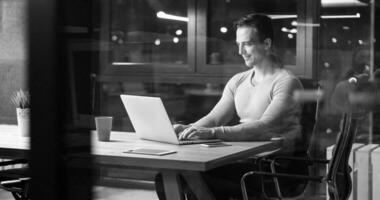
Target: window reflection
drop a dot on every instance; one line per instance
(146, 31)
(344, 54)
(184, 103)
(221, 48)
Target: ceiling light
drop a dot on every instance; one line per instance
(341, 3)
(284, 29)
(163, 15)
(334, 40)
(294, 23)
(223, 29)
(178, 32)
(290, 36)
(128, 63)
(282, 16)
(157, 42)
(340, 16)
(274, 17)
(175, 40)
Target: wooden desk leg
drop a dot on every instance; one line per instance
(172, 184)
(197, 185)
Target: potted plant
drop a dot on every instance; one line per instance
(21, 99)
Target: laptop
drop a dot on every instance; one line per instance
(151, 122)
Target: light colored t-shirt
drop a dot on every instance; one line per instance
(265, 110)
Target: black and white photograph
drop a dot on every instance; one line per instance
(189, 100)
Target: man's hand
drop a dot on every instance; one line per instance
(178, 128)
(193, 132)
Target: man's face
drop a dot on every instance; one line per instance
(250, 47)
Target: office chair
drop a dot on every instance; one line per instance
(338, 177)
(15, 180)
(304, 150)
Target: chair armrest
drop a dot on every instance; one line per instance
(275, 175)
(284, 175)
(10, 183)
(13, 162)
(308, 160)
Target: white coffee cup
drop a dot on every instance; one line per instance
(103, 127)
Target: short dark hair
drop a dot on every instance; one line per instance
(262, 23)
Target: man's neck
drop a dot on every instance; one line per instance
(262, 71)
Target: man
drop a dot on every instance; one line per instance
(260, 97)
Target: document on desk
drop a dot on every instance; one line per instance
(216, 144)
(146, 151)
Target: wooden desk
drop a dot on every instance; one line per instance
(189, 159)
(12, 144)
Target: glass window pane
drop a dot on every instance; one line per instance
(221, 46)
(185, 103)
(344, 39)
(147, 31)
(344, 53)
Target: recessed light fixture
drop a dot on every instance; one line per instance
(223, 29)
(157, 42)
(284, 29)
(334, 40)
(178, 32)
(293, 30)
(175, 40)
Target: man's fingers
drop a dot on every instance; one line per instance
(192, 135)
(178, 128)
(185, 133)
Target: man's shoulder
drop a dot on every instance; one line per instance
(285, 73)
(242, 75)
(287, 77)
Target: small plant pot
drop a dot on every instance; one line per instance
(23, 121)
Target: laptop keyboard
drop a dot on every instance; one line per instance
(198, 141)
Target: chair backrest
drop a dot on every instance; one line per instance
(338, 176)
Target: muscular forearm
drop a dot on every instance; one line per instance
(245, 132)
(205, 121)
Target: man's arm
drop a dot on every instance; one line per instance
(281, 116)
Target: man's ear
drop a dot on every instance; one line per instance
(268, 43)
